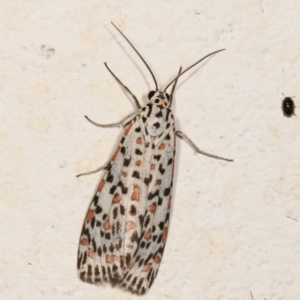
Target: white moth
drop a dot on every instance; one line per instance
(126, 226)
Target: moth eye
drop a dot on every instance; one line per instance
(168, 96)
(151, 94)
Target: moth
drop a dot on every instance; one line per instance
(126, 226)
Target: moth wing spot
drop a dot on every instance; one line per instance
(89, 215)
(128, 128)
(84, 241)
(158, 182)
(148, 235)
(106, 225)
(130, 225)
(116, 198)
(115, 154)
(111, 258)
(169, 202)
(152, 207)
(162, 146)
(147, 267)
(90, 253)
(157, 259)
(101, 185)
(135, 193)
(165, 234)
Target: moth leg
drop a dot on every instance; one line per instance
(190, 142)
(124, 86)
(122, 123)
(105, 167)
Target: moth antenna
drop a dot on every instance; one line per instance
(193, 66)
(173, 89)
(137, 54)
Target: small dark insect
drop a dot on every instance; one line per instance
(288, 107)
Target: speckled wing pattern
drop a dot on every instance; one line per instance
(126, 226)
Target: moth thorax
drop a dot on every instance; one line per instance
(156, 121)
(159, 98)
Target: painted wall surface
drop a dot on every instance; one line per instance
(235, 227)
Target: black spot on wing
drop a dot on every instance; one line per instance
(148, 180)
(98, 210)
(136, 174)
(132, 210)
(122, 210)
(126, 162)
(138, 152)
(156, 125)
(150, 110)
(159, 114)
(167, 192)
(157, 157)
(160, 201)
(134, 237)
(161, 169)
(109, 177)
(153, 195)
(123, 188)
(147, 221)
(115, 212)
(123, 150)
(95, 199)
(112, 189)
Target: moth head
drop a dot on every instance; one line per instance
(159, 98)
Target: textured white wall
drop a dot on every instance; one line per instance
(235, 226)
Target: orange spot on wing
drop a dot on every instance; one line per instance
(169, 202)
(147, 267)
(90, 253)
(138, 163)
(152, 166)
(128, 128)
(152, 207)
(84, 242)
(111, 258)
(101, 185)
(89, 215)
(165, 234)
(139, 141)
(148, 235)
(115, 154)
(116, 198)
(158, 182)
(124, 174)
(136, 193)
(130, 225)
(162, 146)
(157, 259)
(106, 225)
(129, 266)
